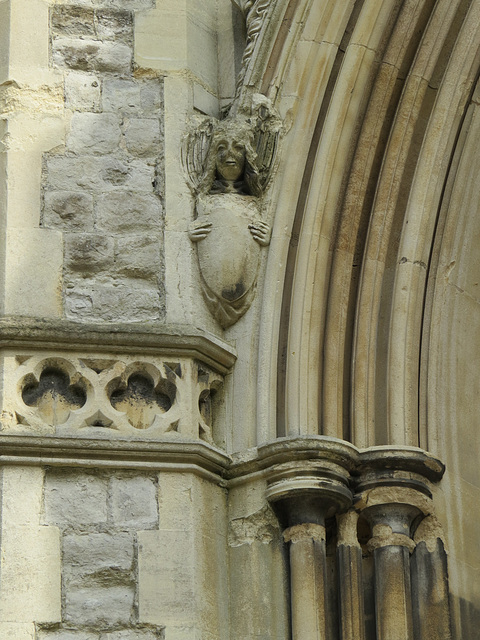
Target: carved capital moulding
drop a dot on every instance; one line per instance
(63, 379)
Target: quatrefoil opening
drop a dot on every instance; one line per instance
(141, 396)
(54, 393)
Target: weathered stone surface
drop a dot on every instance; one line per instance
(138, 97)
(127, 211)
(68, 210)
(101, 558)
(130, 634)
(92, 55)
(88, 253)
(138, 256)
(143, 136)
(66, 634)
(114, 25)
(82, 92)
(109, 302)
(98, 174)
(97, 133)
(75, 499)
(72, 21)
(134, 502)
(97, 607)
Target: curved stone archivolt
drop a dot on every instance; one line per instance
(375, 94)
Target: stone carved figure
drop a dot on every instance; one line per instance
(229, 164)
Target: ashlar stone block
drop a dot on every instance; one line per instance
(75, 499)
(94, 133)
(72, 21)
(127, 211)
(143, 136)
(101, 607)
(68, 210)
(88, 253)
(134, 502)
(114, 25)
(65, 634)
(92, 55)
(82, 92)
(138, 256)
(101, 558)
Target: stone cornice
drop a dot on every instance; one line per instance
(279, 458)
(146, 338)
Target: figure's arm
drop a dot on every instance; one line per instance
(261, 232)
(199, 229)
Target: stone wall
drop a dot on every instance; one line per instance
(99, 515)
(104, 190)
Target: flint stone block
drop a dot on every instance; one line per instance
(115, 302)
(124, 211)
(143, 136)
(138, 256)
(114, 25)
(92, 55)
(72, 21)
(94, 133)
(138, 97)
(98, 174)
(134, 502)
(75, 499)
(107, 607)
(82, 92)
(68, 210)
(88, 253)
(98, 557)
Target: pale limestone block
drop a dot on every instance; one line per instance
(138, 256)
(29, 23)
(68, 210)
(205, 101)
(75, 499)
(134, 502)
(82, 92)
(33, 272)
(94, 133)
(161, 37)
(91, 555)
(99, 606)
(17, 631)
(166, 577)
(92, 55)
(29, 138)
(30, 554)
(4, 39)
(143, 136)
(175, 501)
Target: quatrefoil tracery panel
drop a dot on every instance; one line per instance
(127, 396)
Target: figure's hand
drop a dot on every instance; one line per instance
(199, 229)
(260, 232)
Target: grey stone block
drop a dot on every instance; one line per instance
(127, 5)
(138, 256)
(143, 136)
(134, 502)
(98, 558)
(88, 253)
(98, 173)
(101, 607)
(94, 133)
(65, 634)
(68, 210)
(72, 21)
(115, 302)
(136, 97)
(127, 211)
(92, 55)
(75, 499)
(82, 92)
(133, 634)
(114, 25)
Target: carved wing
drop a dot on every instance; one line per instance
(266, 137)
(195, 148)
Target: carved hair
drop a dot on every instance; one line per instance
(242, 132)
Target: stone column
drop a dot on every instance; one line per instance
(391, 546)
(350, 582)
(304, 494)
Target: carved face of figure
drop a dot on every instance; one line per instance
(230, 159)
